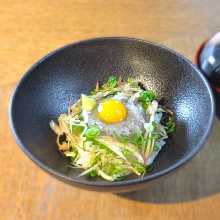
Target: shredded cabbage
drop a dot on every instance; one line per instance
(113, 157)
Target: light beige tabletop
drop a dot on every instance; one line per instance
(29, 29)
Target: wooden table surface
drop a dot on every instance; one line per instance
(28, 31)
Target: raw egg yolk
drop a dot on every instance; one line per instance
(112, 111)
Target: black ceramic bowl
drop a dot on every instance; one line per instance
(44, 91)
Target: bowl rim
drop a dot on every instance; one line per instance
(125, 182)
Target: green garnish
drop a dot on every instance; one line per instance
(170, 125)
(93, 132)
(112, 82)
(109, 86)
(146, 97)
(136, 138)
(93, 174)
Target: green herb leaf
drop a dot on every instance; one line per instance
(146, 97)
(93, 174)
(122, 138)
(108, 86)
(93, 132)
(170, 125)
(136, 138)
(112, 82)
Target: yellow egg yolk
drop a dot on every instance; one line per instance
(112, 111)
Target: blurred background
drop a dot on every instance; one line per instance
(31, 29)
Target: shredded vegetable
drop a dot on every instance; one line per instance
(113, 157)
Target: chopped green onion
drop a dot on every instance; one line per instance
(92, 132)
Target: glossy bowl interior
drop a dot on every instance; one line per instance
(44, 91)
